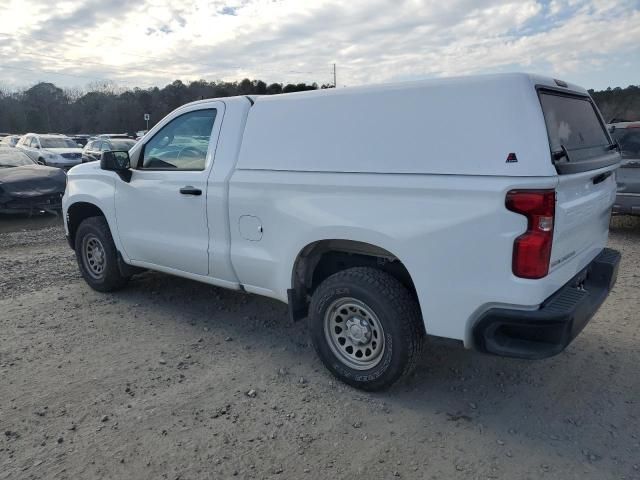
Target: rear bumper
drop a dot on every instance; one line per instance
(545, 332)
(627, 204)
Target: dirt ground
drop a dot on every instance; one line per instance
(153, 382)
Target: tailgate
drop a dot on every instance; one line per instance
(583, 210)
(585, 159)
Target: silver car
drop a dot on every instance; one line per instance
(627, 135)
(51, 150)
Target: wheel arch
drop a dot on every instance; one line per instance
(76, 213)
(321, 258)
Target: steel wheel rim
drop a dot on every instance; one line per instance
(354, 333)
(93, 256)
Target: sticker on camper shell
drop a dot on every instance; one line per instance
(511, 158)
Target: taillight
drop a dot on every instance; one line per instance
(532, 249)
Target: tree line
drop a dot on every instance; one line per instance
(105, 108)
(46, 108)
(618, 104)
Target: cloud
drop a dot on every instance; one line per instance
(228, 10)
(149, 43)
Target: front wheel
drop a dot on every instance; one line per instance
(366, 327)
(97, 256)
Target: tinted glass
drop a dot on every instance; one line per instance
(572, 123)
(181, 144)
(629, 141)
(13, 158)
(53, 142)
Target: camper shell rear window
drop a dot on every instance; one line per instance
(578, 138)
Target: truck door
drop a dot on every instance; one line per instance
(162, 212)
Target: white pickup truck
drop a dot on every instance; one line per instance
(375, 212)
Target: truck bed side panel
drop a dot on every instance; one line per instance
(452, 233)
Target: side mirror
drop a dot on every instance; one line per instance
(40, 162)
(117, 161)
(38, 147)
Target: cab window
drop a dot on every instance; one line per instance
(182, 144)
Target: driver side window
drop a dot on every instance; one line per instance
(181, 144)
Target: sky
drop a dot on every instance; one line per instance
(595, 43)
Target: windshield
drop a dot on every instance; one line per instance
(10, 141)
(629, 141)
(122, 144)
(52, 142)
(13, 158)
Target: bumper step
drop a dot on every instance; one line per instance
(547, 331)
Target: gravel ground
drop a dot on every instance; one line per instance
(173, 379)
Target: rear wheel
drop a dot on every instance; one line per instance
(366, 327)
(97, 256)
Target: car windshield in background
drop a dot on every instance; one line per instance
(14, 158)
(11, 141)
(57, 143)
(629, 141)
(122, 144)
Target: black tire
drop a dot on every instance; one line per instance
(95, 231)
(387, 303)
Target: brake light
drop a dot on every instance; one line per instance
(532, 249)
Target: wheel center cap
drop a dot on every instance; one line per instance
(358, 330)
(97, 253)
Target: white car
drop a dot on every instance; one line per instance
(367, 213)
(51, 150)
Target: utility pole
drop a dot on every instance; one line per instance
(335, 83)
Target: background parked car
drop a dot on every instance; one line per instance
(52, 150)
(26, 187)
(94, 148)
(627, 134)
(81, 139)
(10, 141)
(115, 135)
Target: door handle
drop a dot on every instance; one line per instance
(189, 190)
(600, 178)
